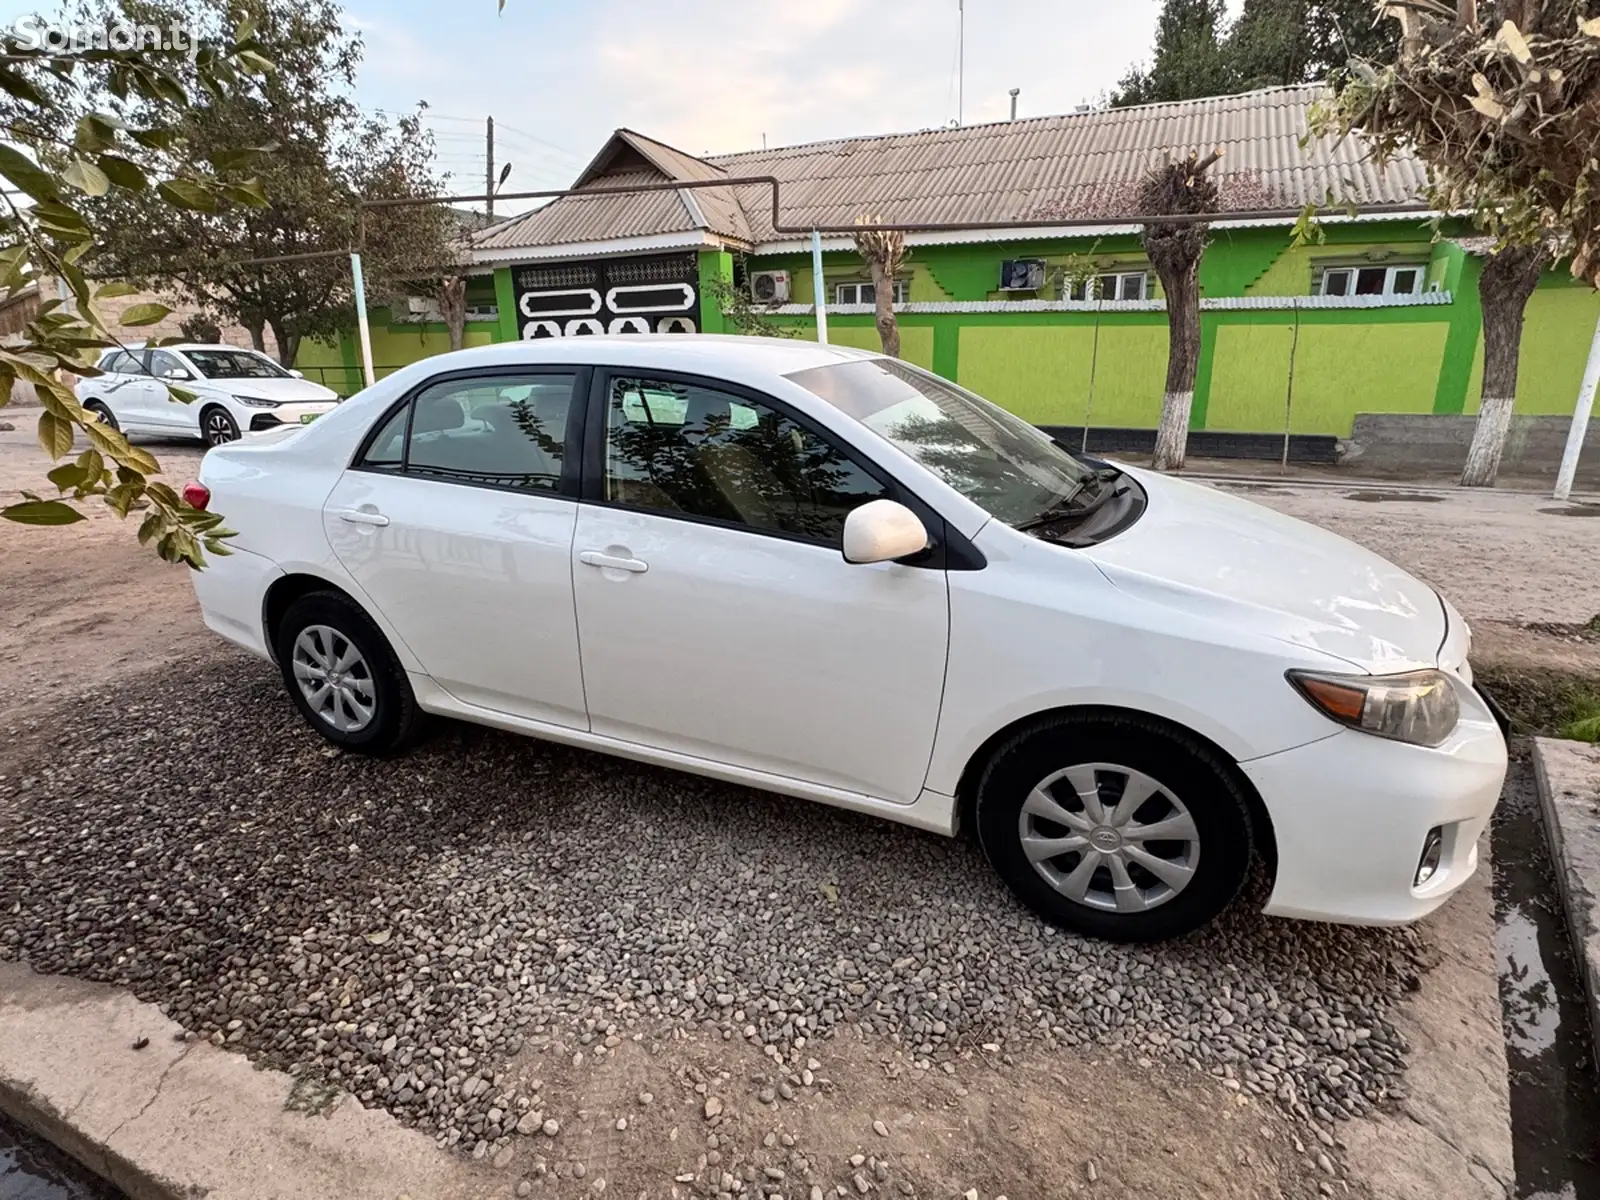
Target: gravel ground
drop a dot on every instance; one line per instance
(401, 928)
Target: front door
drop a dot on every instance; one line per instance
(717, 615)
(165, 408)
(457, 522)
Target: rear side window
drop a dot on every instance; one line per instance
(502, 431)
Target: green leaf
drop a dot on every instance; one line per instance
(67, 476)
(92, 465)
(150, 526)
(186, 193)
(94, 134)
(249, 192)
(55, 434)
(145, 314)
(42, 512)
(12, 82)
(61, 219)
(27, 174)
(120, 287)
(154, 138)
(123, 172)
(180, 394)
(121, 497)
(244, 30)
(229, 160)
(86, 177)
(256, 64)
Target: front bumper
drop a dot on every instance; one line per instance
(258, 420)
(1350, 814)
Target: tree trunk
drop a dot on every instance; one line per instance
(288, 343)
(1182, 286)
(257, 329)
(453, 307)
(1508, 279)
(883, 291)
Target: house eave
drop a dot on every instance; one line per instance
(691, 239)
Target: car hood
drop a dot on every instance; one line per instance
(285, 391)
(1201, 549)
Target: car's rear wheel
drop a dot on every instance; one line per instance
(1115, 827)
(102, 414)
(218, 427)
(342, 675)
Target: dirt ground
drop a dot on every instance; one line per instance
(86, 604)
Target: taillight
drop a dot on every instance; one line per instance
(196, 494)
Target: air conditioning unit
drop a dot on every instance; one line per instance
(1022, 274)
(417, 304)
(769, 287)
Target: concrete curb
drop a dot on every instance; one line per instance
(1568, 777)
(178, 1120)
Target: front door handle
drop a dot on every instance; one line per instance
(362, 516)
(598, 558)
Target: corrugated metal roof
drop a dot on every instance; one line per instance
(1071, 166)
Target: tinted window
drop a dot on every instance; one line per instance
(684, 449)
(499, 431)
(116, 362)
(163, 364)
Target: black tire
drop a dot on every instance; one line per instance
(217, 426)
(395, 718)
(103, 414)
(1183, 768)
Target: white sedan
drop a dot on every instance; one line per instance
(236, 391)
(835, 576)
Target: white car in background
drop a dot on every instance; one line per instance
(836, 576)
(236, 391)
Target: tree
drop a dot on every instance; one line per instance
(1503, 104)
(324, 158)
(1273, 42)
(883, 251)
(50, 163)
(1175, 250)
(1189, 60)
(453, 307)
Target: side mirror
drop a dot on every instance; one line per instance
(882, 531)
(297, 374)
(177, 373)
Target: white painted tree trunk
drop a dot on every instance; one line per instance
(1488, 442)
(1172, 435)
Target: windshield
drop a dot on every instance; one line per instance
(994, 459)
(234, 364)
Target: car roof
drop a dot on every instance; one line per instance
(692, 353)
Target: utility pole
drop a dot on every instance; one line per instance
(488, 172)
(961, 59)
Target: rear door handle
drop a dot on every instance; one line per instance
(598, 558)
(361, 516)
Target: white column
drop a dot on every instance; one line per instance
(819, 289)
(1580, 420)
(361, 319)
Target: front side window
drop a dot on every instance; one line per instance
(506, 431)
(166, 366)
(235, 364)
(693, 451)
(119, 362)
(996, 460)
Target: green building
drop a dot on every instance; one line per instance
(1063, 325)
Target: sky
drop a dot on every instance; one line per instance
(711, 76)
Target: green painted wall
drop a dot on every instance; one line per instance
(1042, 372)
(715, 266)
(916, 340)
(1555, 345)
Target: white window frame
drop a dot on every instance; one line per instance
(1119, 285)
(1348, 278)
(849, 293)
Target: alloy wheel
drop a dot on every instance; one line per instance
(334, 678)
(220, 428)
(1109, 837)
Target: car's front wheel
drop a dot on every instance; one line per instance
(217, 426)
(342, 675)
(1115, 827)
(101, 413)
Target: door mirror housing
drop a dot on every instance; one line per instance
(297, 374)
(882, 531)
(177, 373)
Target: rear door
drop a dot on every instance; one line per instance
(457, 522)
(125, 389)
(165, 408)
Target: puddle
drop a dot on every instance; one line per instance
(32, 1170)
(1377, 497)
(1555, 1094)
(1574, 510)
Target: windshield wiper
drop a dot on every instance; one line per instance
(1066, 510)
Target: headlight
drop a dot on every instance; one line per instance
(256, 401)
(1420, 707)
